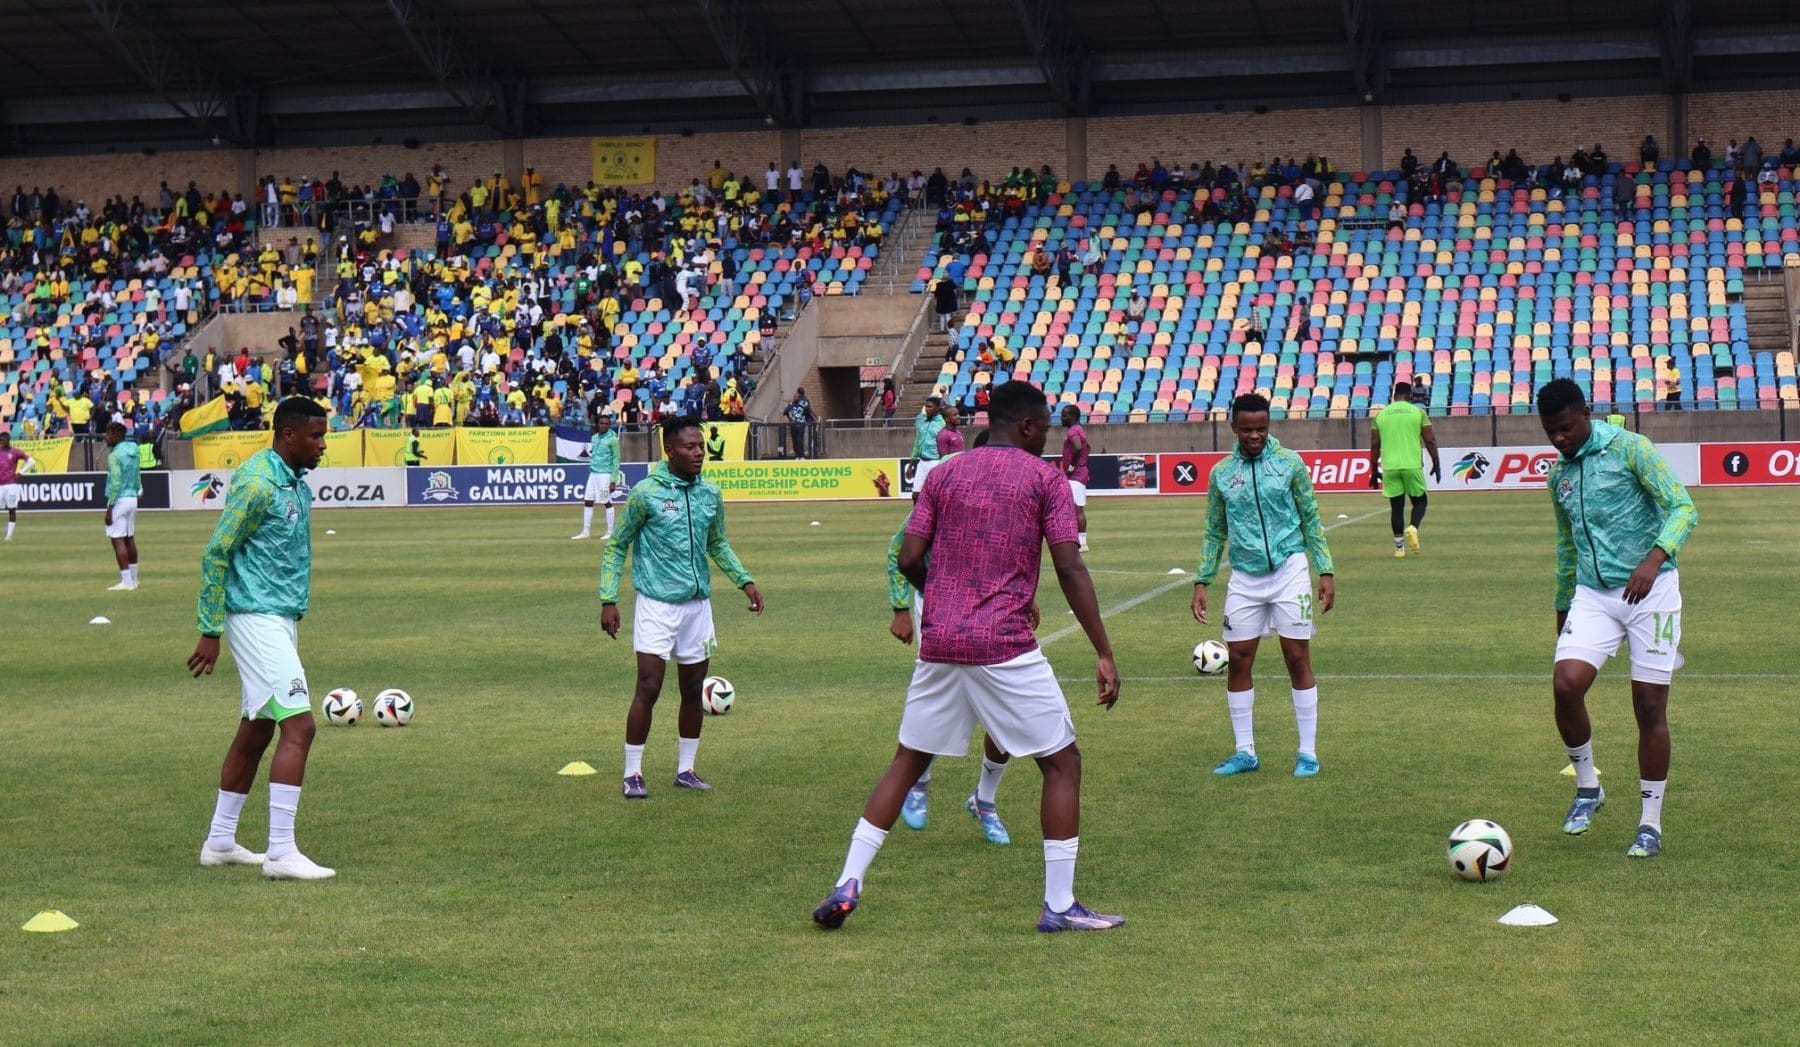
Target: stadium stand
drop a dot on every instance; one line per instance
(1484, 285)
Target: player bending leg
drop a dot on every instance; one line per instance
(983, 519)
(11, 459)
(603, 465)
(1261, 500)
(908, 609)
(675, 520)
(1075, 467)
(255, 580)
(123, 486)
(1398, 436)
(1621, 518)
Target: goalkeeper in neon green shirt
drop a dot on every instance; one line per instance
(1398, 437)
(1622, 516)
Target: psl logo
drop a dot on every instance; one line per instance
(206, 488)
(1470, 467)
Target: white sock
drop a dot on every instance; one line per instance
(1399, 541)
(609, 519)
(587, 518)
(1083, 538)
(685, 748)
(1306, 715)
(1652, 792)
(865, 842)
(9, 530)
(125, 574)
(225, 818)
(925, 778)
(1582, 756)
(284, 800)
(1241, 704)
(1059, 873)
(133, 570)
(634, 759)
(988, 785)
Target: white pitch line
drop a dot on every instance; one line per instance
(1543, 676)
(1186, 579)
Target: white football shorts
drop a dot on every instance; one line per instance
(1078, 492)
(599, 488)
(124, 519)
(9, 496)
(1600, 619)
(1279, 602)
(1019, 702)
(681, 631)
(267, 650)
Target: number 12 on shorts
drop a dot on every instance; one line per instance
(1305, 599)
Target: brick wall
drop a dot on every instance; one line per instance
(679, 159)
(365, 164)
(94, 178)
(990, 148)
(1539, 130)
(1772, 116)
(1198, 138)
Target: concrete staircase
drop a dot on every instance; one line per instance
(922, 378)
(1766, 316)
(893, 274)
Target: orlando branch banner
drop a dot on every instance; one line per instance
(343, 449)
(47, 456)
(527, 446)
(806, 481)
(625, 161)
(388, 446)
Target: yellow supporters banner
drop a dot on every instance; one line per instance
(806, 481)
(624, 161)
(725, 441)
(228, 450)
(47, 456)
(527, 446)
(343, 449)
(388, 446)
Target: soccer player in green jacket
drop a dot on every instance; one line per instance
(1621, 518)
(603, 465)
(255, 582)
(1260, 499)
(675, 520)
(124, 483)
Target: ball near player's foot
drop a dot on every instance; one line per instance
(342, 708)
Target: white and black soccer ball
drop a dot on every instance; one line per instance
(1479, 850)
(343, 708)
(716, 695)
(393, 708)
(1210, 657)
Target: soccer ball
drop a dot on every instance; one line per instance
(1210, 657)
(716, 695)
(393, 708)
(343, 708)
(1479, 850)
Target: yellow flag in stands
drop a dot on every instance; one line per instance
(208, 417)
(625, 161)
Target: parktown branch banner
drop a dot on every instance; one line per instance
(228, 450)
(47, 456)
(625, 161)
(527, 446)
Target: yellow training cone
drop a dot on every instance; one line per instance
(1569, 772)
(579, 767)
(50, 921)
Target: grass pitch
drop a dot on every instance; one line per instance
(483, 899)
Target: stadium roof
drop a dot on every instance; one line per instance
(77, 73)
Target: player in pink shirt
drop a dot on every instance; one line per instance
(1075, 467)
(949, 438)
(983, 519)
(10, 460)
